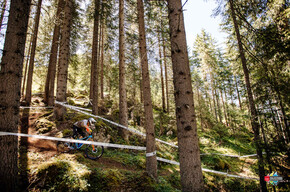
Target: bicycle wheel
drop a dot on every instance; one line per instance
(63, 146)
(94, 154)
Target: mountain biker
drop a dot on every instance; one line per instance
(87, 124)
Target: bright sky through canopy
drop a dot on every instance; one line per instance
(197, 16)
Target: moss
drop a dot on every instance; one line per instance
(61, 176)
(71, 102)
(43, 125)
(67, 132)
(120, 180)
(215, 182)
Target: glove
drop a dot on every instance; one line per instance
(89, 130)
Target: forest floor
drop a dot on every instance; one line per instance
(45, 169)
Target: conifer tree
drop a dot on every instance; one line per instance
(254, 117)
(123, 109)
(32, 55)
(63, 62)
(188, 147)
(151, 162)
(95, 66)
(10, 87)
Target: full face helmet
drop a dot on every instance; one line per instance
(91, 121)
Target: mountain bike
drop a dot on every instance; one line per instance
(91, 151)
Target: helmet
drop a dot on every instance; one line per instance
(91, 121)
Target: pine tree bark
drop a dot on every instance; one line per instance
(32, 55)
(284, 117)
(102, 63)
(165, 69)
(224, 108)
(123, 109)
(218, 105)
(95, 66)
(254, 117)
(238, 92)
(2, 13)
(188, 147)
(213, 96)
(64, 56)
(26, 67)
(51, 72)
(10, 87)
(100, 43)
(200, 112)
(161, 74)
(151, 161)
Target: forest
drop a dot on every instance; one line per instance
(170, 117)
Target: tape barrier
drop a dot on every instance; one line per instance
(76, 141)
(237, 156)
(151, 154)
(31, 107)
(209, 170)
(121, 147)
(82, 110)
(79, 109)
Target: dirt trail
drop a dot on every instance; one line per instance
(28, 119)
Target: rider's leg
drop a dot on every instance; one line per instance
(75, 131)
(80, 131)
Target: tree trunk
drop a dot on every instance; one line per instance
(225, 113)
(218, 105)
(50, 78)
(188, 147)
(123, 109)
(213, 96)
(165, 69)
(99, 45)
(141, 88)
(151, 161)
(254, 117)
(2, 13)
(64, 56)
(10, 87)
(95, 66)
(227, 110)
(284, 117)
(200, 112)
(161, 74)
(23, 150)
(32, 55)
(102, 63)
(238, 92)
(26, 67)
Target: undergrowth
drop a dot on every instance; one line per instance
(124, 170)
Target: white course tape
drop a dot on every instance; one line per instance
(220, 154)
(119, 146)
(31, 107)
(83, 109)
(151, 154)
(76, 141)
(237, 156)
(209, 170)
(79, 109)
